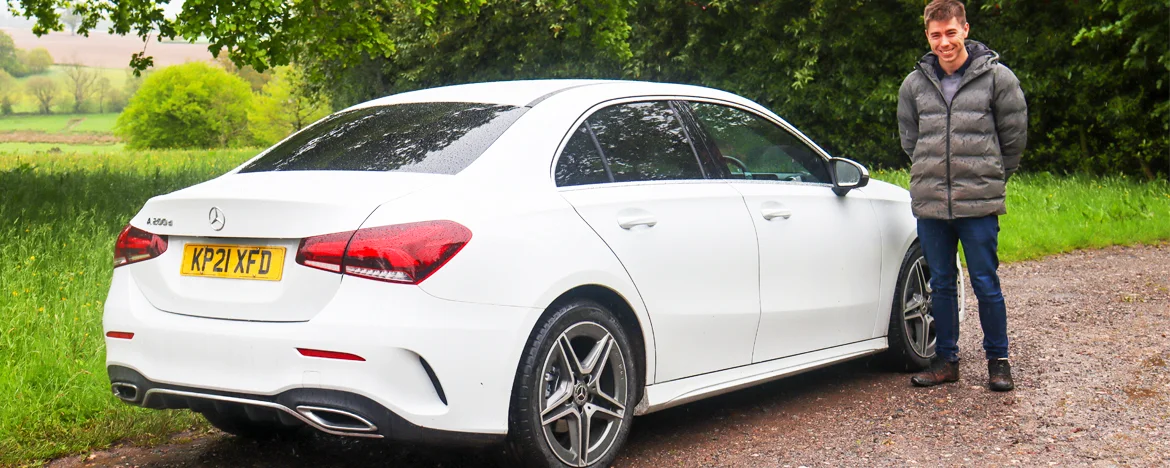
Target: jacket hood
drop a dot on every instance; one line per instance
(980, 58)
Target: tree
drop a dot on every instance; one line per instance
(103, 90)
(9, 62)
(80, 81)
(194, 105)
(8, 93)
(1096, 74)
(71, 20)
(44, 90)
(254, 78)
(286, 105)
(37, 61)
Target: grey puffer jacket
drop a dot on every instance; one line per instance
(962, 154)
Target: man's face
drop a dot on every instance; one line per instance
(946, 40)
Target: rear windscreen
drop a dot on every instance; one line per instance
(432, 137)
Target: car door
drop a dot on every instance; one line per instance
(687, 241)
(820, 254)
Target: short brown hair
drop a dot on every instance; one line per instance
(944, 10)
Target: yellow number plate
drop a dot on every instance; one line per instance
(233, 261)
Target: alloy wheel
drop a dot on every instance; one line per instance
(583, 394)
(917, 318)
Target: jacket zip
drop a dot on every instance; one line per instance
(947, 154)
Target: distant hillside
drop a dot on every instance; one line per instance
(106, 51)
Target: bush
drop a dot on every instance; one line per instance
(194, 105)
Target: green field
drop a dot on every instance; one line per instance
(60, 123)
(61, 213)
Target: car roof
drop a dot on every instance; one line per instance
(528, 93)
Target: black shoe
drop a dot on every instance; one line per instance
(940, 371)
(999, 375)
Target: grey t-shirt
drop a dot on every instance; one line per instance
(950, 83)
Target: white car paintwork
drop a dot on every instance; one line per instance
(817, 267)
(696, 268)
(531, 243)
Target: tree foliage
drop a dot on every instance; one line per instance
(81, 83)
(44, 90)
(285, 105)
(1096, 74)
(194, 105)
(8, 93)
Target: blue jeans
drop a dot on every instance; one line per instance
(940, 242)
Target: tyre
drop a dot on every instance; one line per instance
(237, 423)
(912, 335)
(575, 390)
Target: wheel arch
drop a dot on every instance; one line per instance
(641, 335)
(625, 314)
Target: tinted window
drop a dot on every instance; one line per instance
(435, 137)
(644, 141)
(755, 148)
(580, 163)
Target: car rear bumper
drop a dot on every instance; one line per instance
(429, 363)
(331, 411)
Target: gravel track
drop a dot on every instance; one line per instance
(1089, 352)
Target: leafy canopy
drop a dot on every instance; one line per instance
(1096, 74)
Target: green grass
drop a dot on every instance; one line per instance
(95, 123)
(58, 123)
(1049, 214)
(60, 214)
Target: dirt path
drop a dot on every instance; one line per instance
(1089, 347)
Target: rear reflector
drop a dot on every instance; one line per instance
(135, 245)
(120, 335)
(317, 353)
(401, 253)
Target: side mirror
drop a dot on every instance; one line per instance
(847, 175)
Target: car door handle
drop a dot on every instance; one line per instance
(628, 219)
(772, 210)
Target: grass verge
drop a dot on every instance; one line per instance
(61, 212)
(58, 219)
(1049, 214)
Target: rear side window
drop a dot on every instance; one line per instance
(433, 137)
(580, 162)
(644, 141)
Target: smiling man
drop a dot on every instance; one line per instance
(963, 120)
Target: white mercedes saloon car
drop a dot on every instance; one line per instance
(530, 262)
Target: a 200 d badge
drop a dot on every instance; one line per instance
(216, 218)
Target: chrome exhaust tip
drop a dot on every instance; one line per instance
(337, 420)
(125, 391)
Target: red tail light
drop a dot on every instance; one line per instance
(401, 253)
(317, 353)
(136, 245)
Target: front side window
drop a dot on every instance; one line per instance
(432, 137)
(755, 148)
